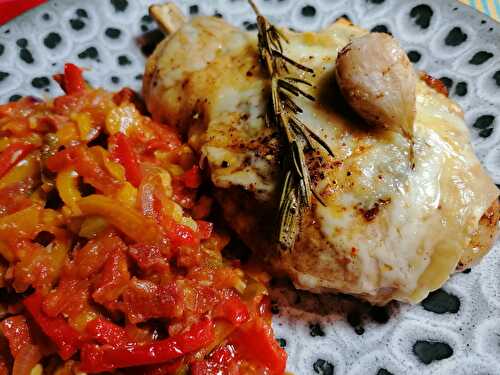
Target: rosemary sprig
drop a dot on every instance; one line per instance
(296, 190)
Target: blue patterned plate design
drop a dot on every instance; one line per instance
(456, 330)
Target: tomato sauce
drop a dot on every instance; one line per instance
(108, 259)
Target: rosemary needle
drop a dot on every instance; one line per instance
(296, 191)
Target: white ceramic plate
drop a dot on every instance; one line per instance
(457, 329)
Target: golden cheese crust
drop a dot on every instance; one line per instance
(388, 231)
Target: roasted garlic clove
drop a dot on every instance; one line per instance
(378, 81)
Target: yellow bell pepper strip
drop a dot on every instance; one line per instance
(66, 339)
(86, 128)
(125, 219)
(127, 194)
(103, 158)
(92, 226)
(51, 219)
(66, 133)
(56, 254)
(67, 186)
(85, 164)
(106, 358)
(23, 224)
(13, 154)
(28, 169)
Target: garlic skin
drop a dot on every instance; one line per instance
(378, 81)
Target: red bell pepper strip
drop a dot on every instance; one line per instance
(62, 159)
(105, 358)
(205, 229)
(86, 166)
(72, 80)
(204, 367)
(168, 368)
(16, 330)
(149, 257)
(181, 235)
(125, 95)
(192, 177)
(4, 364)
(66, 339)
(255, 341)
(168, 137)
(435, 84)
(264, 307)
(217, 363)
(124, 153)
(13, 154)
(223, 354)
(113, 279)
(92, 173)
(233, 310)
(156, 144)
(10, 9)
(106, 332)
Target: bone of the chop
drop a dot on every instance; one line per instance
(168, 16)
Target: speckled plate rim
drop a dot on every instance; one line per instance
(316, 344)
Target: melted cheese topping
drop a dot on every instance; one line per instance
(389, 230)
